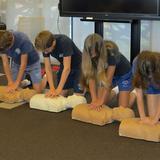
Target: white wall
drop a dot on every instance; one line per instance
(32, 16)
(17, 8)
(53, 22)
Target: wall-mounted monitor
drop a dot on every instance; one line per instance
(125, 9)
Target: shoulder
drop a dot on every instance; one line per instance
(20, 35)
(135, 60)
(62, 38)
(114, 55)
(123, 57)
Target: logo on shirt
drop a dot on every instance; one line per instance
(112, 54)
(17, 50)
(125, 83)
(61, 55)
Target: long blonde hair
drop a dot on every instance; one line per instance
(93, 43)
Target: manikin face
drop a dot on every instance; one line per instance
(50, 49)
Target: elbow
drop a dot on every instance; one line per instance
(23, 66)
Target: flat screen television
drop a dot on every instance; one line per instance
(104, 9)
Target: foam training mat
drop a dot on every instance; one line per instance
(11, 105)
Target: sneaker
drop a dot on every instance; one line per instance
(25, 83)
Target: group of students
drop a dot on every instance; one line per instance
(99, 69)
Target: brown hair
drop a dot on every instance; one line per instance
(111, 45)
(44, 40)
(147, 69)
(6, 39)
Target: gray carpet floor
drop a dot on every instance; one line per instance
(28, 134)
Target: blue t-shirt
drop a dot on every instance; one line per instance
(65, 47)
(22, 45)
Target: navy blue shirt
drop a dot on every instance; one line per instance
(65, 47)
(122, 64)
(22, 45)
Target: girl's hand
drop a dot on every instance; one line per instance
(12, 87)
(58, 92)
(145, 120)
(148, 120)
(97, 105)
(153, 121)
(51, 93)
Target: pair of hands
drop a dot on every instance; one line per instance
(12, 87)
(53, 93)
(148, 120)
(97, 105)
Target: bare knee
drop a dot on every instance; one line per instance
(37, 87)
(124, 98)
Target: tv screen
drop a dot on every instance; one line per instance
(110, 8)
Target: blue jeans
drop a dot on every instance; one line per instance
(33, 70)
